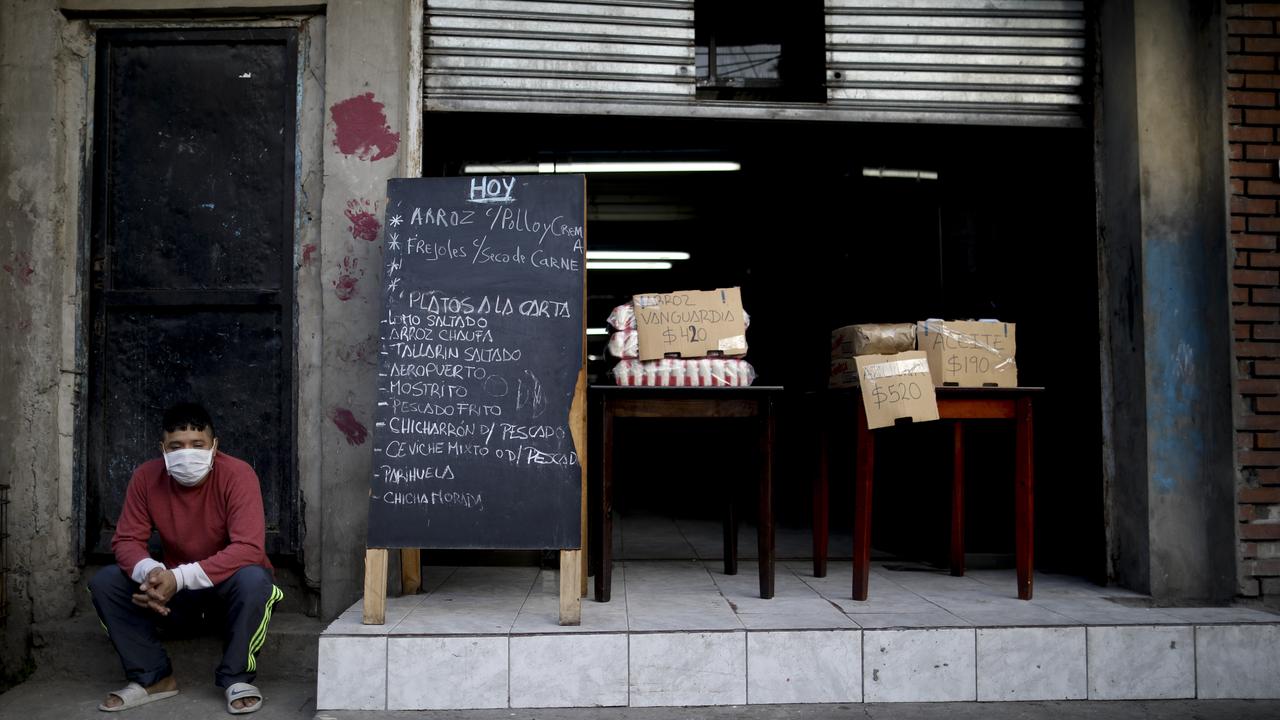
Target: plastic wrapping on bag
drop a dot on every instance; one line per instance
(844, 373)
(623, 317)
(679, 372)
(872, 339)
(970, 353)
(625, 344)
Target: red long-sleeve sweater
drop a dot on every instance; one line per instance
(219, 523)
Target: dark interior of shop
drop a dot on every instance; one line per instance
(817, 241)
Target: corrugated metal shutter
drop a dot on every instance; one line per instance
(983, 61)
(995, 62)
(481, 54)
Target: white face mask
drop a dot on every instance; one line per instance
(189, 465)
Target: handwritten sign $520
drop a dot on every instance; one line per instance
(481, 345)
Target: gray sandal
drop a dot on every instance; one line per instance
(243, 691)
(134, 695)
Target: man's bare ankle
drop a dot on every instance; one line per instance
(164, 684)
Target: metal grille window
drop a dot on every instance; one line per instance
(1017, 62)
(985, 62)
(759, 50)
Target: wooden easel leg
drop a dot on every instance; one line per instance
(582, 562)
(578, 429)
(410, 571)
(375, 586)
(570, 587)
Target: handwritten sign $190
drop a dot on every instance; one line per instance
(481, 345)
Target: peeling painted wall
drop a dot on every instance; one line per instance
(1162, 220)
(366, 106)
(45, 167)
(42, 90)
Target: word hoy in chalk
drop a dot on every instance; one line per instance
(492, 190)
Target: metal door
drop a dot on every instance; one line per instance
(191, 270)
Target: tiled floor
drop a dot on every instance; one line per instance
(681, 632)
(670, 576)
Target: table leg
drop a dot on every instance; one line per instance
(1024, 499)
(604, 573)
(764, 531)
(957, 501)
(730, 527)
(862, 508)
(821, 513)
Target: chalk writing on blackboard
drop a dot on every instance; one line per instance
(481, 344)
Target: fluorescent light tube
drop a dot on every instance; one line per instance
(623, 265)
(905, 174)
(597, 331)
(603, 167)
(511, 169)
(633, 167)
(636, 255)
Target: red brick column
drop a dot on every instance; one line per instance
(1253, 82)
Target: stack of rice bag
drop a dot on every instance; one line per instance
(624, 344)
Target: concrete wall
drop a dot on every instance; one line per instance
(42, 61)
(46, 82)
(1162, 220)
(1120, 289)
(365, 144)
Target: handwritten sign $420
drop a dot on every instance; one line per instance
(481, 345)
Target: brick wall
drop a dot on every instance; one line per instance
(1253, 82)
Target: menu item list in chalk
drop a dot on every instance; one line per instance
(481, 344)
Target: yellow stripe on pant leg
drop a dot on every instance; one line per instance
(260, 636)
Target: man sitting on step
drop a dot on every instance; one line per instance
(207, 508)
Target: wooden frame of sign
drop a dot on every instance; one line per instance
(481, 430)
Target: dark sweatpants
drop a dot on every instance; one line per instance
(239, 608)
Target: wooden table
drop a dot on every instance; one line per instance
(760, 402)
(957, 405)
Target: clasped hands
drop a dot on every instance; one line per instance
(156, 590)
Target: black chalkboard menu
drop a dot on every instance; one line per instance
(481, 346)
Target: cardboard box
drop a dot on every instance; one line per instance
(872, 339)
(970, 354)
(844, 373)
(691, 323)
(897, 386)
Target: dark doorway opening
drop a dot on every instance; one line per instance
(818, 237)
(191, 253)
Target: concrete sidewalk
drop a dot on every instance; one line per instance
(57, 699)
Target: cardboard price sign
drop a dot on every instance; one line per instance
(970, 354)
(691, 323)
(897, 386)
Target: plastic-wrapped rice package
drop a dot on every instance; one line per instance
(679, 372)
(625, 344)
(623, 317)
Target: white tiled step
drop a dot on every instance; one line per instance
(684, 633)
(584, 669)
